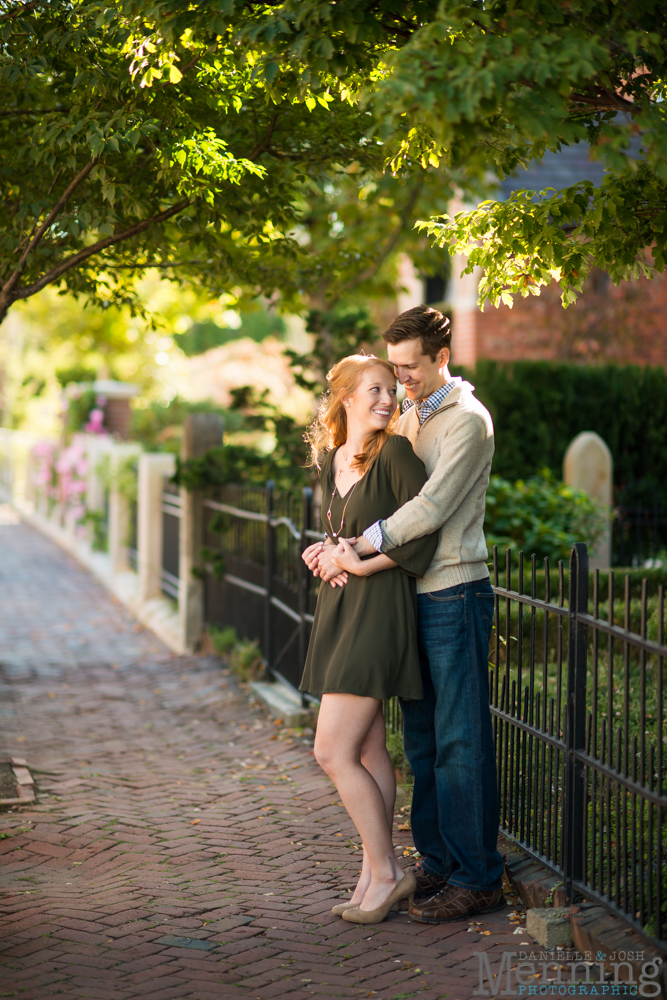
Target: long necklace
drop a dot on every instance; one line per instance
(333, 494)
(342, 520)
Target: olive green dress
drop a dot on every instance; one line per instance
(364, 638)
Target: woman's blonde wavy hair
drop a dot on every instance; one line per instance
(329, 428)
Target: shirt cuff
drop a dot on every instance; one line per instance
(373, 535)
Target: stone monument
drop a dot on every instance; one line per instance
(588, 466)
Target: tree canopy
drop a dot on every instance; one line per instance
(197, 137)
(136, 135)
(482, 88)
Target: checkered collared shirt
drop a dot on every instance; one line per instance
(425, 407)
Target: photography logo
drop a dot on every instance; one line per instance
(562, 974)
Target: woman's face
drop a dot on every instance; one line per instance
(373, 403)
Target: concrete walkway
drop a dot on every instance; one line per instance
(182, 845)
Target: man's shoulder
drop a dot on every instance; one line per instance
(468, 408)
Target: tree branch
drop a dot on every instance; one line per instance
(606, 100)
(108, 241)
(389, 246)
(35, 111)
(263, 144)
(152, 263)
(23, 9)
(15, 276)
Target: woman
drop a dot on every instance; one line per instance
(363, 647)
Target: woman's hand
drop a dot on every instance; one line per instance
(311, 557)
(345, 558)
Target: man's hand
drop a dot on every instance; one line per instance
(345, 557)
(363, 547)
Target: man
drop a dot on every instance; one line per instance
(448, 736)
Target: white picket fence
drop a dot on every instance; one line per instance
(70, 519)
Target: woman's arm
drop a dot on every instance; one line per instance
(345, 558)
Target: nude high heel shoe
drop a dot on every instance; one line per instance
(339, 909)
(405, 889)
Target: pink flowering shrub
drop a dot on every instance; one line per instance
(45, 479)
(60, 473)
(95, 423)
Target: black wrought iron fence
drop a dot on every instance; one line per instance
(639, 533)
(576, 687)
(255, 578)
(577, 696)
(171, 522)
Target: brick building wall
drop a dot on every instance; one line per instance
(625, 324)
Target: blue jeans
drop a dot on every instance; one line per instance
(449, 740)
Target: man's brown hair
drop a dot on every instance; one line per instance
(430, 325)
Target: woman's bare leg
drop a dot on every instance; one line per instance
(348, 728)
(376, 760)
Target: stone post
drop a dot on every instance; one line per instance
(462, 298)
(201, 431)
(588, 466)
(119, 509)
(96, 448)
(152, 470)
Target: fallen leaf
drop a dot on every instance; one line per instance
(195, 821)
(404, 826)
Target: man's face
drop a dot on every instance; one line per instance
(416, 371)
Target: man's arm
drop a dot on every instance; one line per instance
(469, 449)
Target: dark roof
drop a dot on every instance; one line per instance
(555, 170)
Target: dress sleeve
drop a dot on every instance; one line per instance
(324, 478)
(407, 475)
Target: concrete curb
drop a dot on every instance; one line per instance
(594, 929)
(281, 703)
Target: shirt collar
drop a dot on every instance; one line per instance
(425, 407)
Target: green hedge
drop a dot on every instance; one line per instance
(539, 406)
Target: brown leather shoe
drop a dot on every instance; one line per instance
(427, 885)
(455, 903)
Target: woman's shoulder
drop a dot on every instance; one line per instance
(325, 463)
(396, 448)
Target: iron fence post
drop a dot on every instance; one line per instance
(304, 578)
(269, 559)
(574, 797)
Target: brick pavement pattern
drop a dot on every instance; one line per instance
(183, 845)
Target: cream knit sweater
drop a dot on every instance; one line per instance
(455, 443)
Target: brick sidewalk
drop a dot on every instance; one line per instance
(183, 845)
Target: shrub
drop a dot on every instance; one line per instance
(541, 515)
(539, 406)
(398, 759)
(244, 657)
(223, 640)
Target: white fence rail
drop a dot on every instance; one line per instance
(85, 497)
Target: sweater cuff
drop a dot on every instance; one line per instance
(373, 536)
